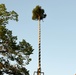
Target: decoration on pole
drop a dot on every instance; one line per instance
(38, 14)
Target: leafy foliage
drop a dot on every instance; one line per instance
(14, 56)
(38, 13)
(5, 15)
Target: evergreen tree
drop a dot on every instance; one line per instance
(14, 56)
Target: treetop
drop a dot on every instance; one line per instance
(38, 13)
(5, 15)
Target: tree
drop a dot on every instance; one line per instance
(39, 14)
(14, 56)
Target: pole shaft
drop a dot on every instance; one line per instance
(39, 48)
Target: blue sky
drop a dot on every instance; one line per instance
(58, 33)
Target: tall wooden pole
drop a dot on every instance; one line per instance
(38, 72)
(39, 47)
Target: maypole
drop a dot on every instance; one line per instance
(38, 14)
(39, 47)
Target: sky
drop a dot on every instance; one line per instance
(58, 33)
